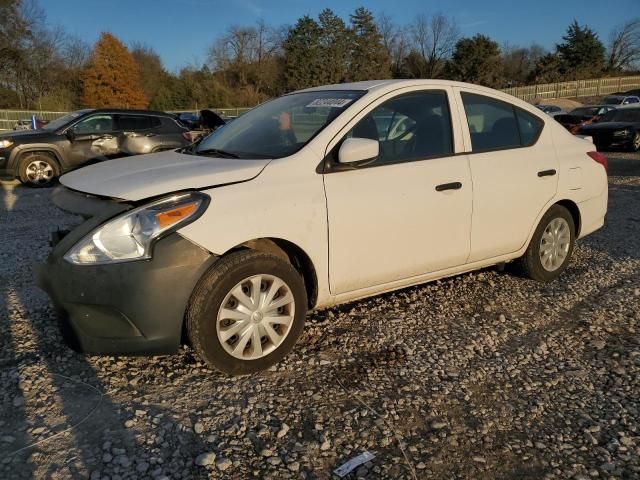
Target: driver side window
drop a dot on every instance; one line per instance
(95, 124)
(413, 126)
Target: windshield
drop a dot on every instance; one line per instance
(278, 128)
(62, 121)
(612, 100)
(585, 112)
(629, 115)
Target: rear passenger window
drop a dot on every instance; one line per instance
(530, 127)
(134, 122)
(497, 125)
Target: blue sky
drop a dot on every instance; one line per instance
(181, 30)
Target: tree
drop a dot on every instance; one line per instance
(434, 39)
(581, 53)
(549, 69)
(476, 60)
(518, 63)
(334, 40)
(624, 47)
(111, 78)
(369, 59)
(302, 54)
(395, 42)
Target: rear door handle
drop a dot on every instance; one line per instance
(547, 173)
(449, 186)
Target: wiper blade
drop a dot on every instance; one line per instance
(216, 151)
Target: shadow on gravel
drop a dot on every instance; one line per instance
(76, 400)
(13, 403)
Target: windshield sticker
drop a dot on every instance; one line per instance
(330, 102)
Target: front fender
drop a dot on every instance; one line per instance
(20, 150)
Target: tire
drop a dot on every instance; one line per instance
(38, 169)
(531, 264)
(206, 320)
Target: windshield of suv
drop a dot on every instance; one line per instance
(585, 111)
(62, 121)
(612, 100)
(622, 115)
(280, 127)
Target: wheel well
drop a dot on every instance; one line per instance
(291, 253)
(49, 153)
(574, 211)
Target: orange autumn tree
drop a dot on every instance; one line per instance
(111, 79)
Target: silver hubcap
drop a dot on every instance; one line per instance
(39, 172)
(554, 244)
(255, 317)
(636, 141)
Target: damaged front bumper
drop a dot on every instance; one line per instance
(133, 307)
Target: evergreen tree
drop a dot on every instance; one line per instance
(111, 78)
(302, 54)
(369, 58)
(335, 41)
(476, 60)
(581, 53)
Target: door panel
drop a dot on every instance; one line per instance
(409, 212)
(508, 193)
(95, 138)
(390, 223)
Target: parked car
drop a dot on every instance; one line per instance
(586, 115)
(621, 100)
(136, 143)
(38, 157)
(551, 110)
(617, 129)
(310, 200)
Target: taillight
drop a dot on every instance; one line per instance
(187, 136)
(601, 159)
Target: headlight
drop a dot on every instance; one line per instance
(5, 143)
(131, 235)
(623, 133)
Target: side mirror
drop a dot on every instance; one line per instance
(358, 150)
(71, 134)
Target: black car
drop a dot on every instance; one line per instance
(38, 157)
(616, 129)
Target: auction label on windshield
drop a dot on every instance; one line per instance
(330, 102)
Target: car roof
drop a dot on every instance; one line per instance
(130, 110)
(389, 85)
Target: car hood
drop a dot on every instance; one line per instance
(143, 176)
(25, 134)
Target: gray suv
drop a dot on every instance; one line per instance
(38, 157)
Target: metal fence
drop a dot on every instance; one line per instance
(579, 88)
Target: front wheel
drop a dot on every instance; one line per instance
(551, 246)
(38, 170)
(247, 312)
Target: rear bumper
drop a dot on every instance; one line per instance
(124, 308)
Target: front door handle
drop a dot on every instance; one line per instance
(449, 186)
(547, 173)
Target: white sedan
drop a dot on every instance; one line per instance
(313, 199)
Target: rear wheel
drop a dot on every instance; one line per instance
(247, 312)
(551, 246)
(38, 169)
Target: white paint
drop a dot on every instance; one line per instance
(373, 230)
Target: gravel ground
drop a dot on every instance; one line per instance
(484, 375)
